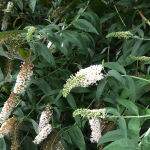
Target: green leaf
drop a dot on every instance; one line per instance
(35, 126)
(115, 66)
(116, 75)
(1, 75)
(20, 4)
(45, 52)
(111, 136)
(2, 144)
(122, 144)
(134, 128)
(94, 19)
(107, 17)
(131, 89)
(84, 25)
(76, 39)
(32, 4)
(100, 89)
(43, 85)
(71, 101)
(123, 126)
(145, 143)
(77, 137)
(128, 104)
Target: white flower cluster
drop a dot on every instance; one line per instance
(44, 127)
(45, 118)
(96, 130)
(23, 78)
(91, 74)
(83, 78)
(9, 7)
(7, 126)
(8, 107)
(6, 18)
(43, 134)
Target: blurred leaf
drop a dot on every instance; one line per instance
(100, 89)
(71, 101)
(20, 4)
(1, 74)
(122, 144)
(116, 75)
(115, 66)
(134, 128)
(84, 25)
(145, 143)
(123, 126)
(77, 137)
(45, 52)
(32, 4)
(2, 144)
(111, 136)
(35, 126)
(128, 104)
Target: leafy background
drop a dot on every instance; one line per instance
(77, 30)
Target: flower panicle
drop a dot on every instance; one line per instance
(83, 78)
(23, 78)
(45, 117)
(72, 82)
(7, 126)
(96, 130)
(43, 134)
(121, 34)
(87, 113)
(8, 107)
(140, 58)
(30, 32)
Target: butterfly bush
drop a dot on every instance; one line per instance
(8, 107)
(43, 134)
(45, 118)
(96, 130)
(7, 126)
(120, 34)
(23, 78)
(44, 127)
(83, 78)
(94, 116)
(22, 82)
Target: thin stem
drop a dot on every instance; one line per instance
(119, 15)
(137, 78)
(144, 116)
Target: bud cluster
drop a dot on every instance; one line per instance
(87, 113)
(31, 30)
(141, 58)
(121, 34)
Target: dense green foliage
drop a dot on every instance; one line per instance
(77, 30)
